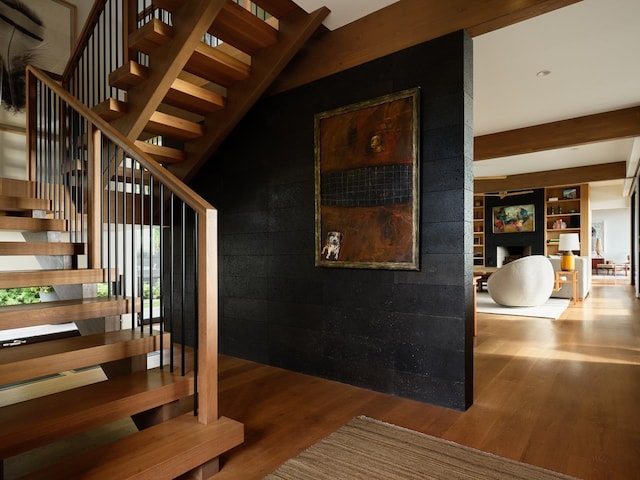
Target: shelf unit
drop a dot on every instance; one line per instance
(567, 211)
(478, 230)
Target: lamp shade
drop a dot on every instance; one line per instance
(569, 242)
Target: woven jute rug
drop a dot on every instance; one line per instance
(367, 449)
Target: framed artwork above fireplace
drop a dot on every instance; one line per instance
(514, 219)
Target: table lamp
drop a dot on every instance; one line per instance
(567, 244)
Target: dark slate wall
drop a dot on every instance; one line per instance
(535, 239)
(401, 332)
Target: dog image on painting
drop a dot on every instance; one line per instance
(331, 248)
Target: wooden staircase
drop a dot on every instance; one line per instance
(189, 94)
(163, 450)
(192, 94)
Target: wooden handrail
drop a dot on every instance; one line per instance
(195, 201)
(207, 267)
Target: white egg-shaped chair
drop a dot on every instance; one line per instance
(525, 282)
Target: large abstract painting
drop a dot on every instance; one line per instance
(366, 173)
(514, 219)
(37, 32)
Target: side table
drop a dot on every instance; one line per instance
(570, 277)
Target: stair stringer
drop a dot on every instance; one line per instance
(295, 29)
(166, 62)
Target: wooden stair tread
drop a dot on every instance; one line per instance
(150, 36)
(206, 62)
(237, 26)
(36, 422)
(190, 97)
(182, 94)
(159, 123)
(161, 153)
(128, 75)
(111, 109)
(234, 25)
(42, 248)
(174, 127)
(266, 66)
(61, 311)
(167, 450)
(217, 66)
(32, 224)
(46, 358)
(21, 204)
(127, 175)
(16, 188)
(38, 278)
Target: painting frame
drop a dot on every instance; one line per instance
(514, 218)
(366, 183)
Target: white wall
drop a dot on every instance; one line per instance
(617, 232)
(608, 195)
(12, 152)
(13, 145)
(83, 7)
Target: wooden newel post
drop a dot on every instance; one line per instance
(207, 316)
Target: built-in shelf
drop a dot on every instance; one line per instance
(567, 211)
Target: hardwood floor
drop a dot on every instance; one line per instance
(560, 394)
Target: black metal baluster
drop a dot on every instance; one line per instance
(183, 289)
(196, 316)
(109, 187)
(171, 281)
(116, 219)
(142, 216)
(161, 272)
(150, 254)
(134, 278)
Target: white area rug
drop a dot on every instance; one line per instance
(552, 309)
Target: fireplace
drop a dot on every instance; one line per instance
(506, 254)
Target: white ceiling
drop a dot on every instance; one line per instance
(344, 11)
(592, 50)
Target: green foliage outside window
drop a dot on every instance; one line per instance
(18, 296)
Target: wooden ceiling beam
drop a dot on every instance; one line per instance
(377, 34)
(600, 127)
(551, 178)
(526, 12)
